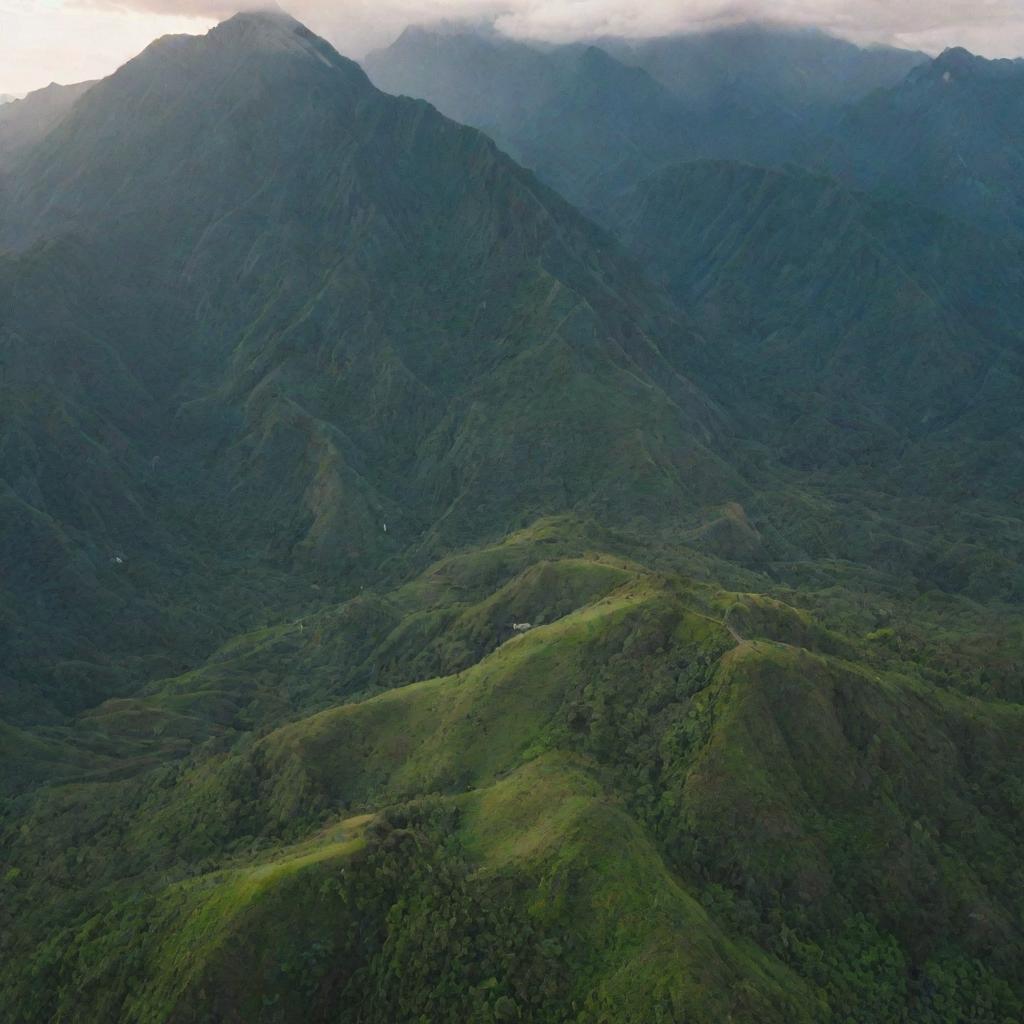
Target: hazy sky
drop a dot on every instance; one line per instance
(72, 40)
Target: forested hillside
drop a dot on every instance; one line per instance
(421, 600)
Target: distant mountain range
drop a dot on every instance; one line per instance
(593, 119)
(422, 599)
(26, 121)
(877, 335)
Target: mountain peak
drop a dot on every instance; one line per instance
(594, 56)
(272, 30)
(268, 19)
(261, 27)
(957, 59)
(245, 48)
(957, 63)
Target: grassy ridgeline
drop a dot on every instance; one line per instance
(766, 827)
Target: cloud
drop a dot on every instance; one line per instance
(70, 40)
(995, 27)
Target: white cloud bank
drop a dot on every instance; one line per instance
(66, 40)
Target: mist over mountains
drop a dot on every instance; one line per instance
(591, 119)
(26, 121)
(514, 533)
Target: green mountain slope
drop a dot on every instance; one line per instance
(601, 849)
(869, 342)
(407, 615)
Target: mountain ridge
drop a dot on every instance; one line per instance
(434, 280)
(424, 610)
(27, 121)
(945, 138)
(682, 97)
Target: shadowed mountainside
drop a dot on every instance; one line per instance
(948, 137)
(343, 329)
(870, 342)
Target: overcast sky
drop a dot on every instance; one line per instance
(72, 40)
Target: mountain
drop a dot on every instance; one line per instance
(778, 72)
(586, 123)
(604, 125)
(417, 608)
(528, 830)
(482, 79)
(947, 137)
(808, 276)
(593, 120)
(6, 98)
(26, 121)
(872, 341)
(370, 329)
